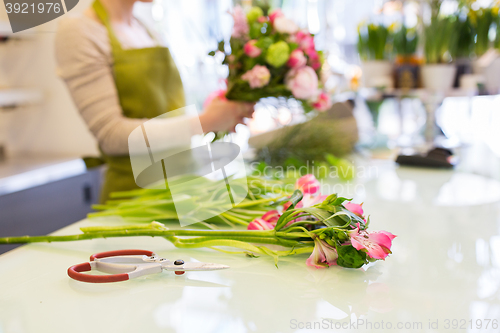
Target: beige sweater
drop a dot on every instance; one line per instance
(84, 62)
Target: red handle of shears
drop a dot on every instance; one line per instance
(74, 272)
(117, 253)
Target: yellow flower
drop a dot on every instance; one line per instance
(362, 24)
(494, 10)
(393, 27)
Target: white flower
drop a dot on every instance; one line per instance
(285, 26)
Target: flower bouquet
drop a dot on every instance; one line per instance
(330, 228)
(271, 57)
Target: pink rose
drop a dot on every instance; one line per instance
(316, 65)
(297, 59)
(302, 82)
(285, 26)
(257, 77)
(305, 40)
(240, 28)
(314, 60)
(275, 14)
(322, 102)
(251, 50)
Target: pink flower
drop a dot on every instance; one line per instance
(284, 25)
(266, 222)
(312, 54)
(289, 203)
(305, 40)
(257, 77)
(311, 200)
(251, 49)
(322, 102)
(314, 59)
(308, 184)
(297, 59)
(303, 82)
(323, 254)
(271, 216)
(259, 224)
(316, 65)
(357, 209)
(240, 28)
(262, 19)
(308, 200)
(218, 94)
(376, 244)
(275, 14)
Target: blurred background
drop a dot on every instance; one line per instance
(414, 75)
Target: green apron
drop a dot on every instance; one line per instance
(148, 85)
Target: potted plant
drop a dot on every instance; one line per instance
(438, 73)
(486, 63)
(407, 63)
(482, 20)
(462, 47)
(374, 50)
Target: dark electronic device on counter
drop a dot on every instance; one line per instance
(435, 158)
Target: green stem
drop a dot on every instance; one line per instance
(234, 219)
(247, 239)
(257, 202)
(103, 232)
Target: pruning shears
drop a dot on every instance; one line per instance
(122, 265)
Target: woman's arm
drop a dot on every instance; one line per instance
(84, 61)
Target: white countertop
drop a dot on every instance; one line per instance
(20, 172)
(445, 266)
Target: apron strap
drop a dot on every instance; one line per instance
(102, 14)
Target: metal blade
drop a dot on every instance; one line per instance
(194, 266)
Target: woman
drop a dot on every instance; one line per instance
(119, 75)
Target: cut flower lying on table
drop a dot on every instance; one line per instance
(330, 228)
(370, 246)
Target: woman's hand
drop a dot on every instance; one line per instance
(223, 115)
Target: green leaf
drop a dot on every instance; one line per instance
(255, 30)
(294, 199)
(344, 217)
(220, 46)
(211, 53)
(293, 46)
(334, 200)
(264, 43)
(350, 257)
